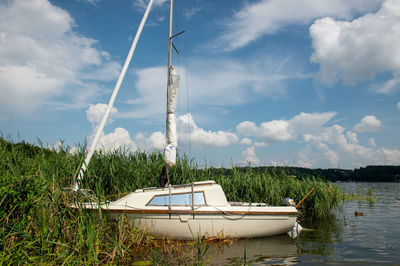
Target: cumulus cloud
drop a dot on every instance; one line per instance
(368, 124)
(359, 49)
(187, 131)
(304, 161)
(95, 113)
(392, 155)
(343, 148)
(269, 132)
(259, 18)
(398, 105)
(38, 62)
(120, 138)
(250, 155)
(156, 141)
(246, 141)
(352, 137)
(285, 130)
(187, 128)
(329, 145)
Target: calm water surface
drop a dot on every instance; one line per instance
(370, 239)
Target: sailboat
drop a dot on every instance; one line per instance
(190, 210)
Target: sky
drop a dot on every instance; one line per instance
(309, 83)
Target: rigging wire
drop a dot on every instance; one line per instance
(188, 99)
(176, 23)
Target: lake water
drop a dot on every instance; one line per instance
(372, 238)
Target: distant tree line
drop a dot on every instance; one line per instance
(371, 173)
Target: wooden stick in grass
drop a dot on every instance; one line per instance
(304, 198)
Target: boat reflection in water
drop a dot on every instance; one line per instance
(282, 249)
(275, 249)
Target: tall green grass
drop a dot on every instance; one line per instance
(37, 226)
(123, 172)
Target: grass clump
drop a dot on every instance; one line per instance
(37, 226)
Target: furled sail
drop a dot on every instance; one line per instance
(170, 148)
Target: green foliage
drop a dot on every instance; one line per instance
(363, 196)
(38, 227)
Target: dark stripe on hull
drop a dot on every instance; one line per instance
(201, 212)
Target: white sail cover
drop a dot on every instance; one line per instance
(170, 148)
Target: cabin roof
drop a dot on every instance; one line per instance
(196, 184)
(214, 195)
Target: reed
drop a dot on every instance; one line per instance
(36, 225)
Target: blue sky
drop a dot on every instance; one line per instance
(272, 82)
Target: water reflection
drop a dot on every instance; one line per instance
(319, 240)
(269, 249)
(360, 232)
(283, 249)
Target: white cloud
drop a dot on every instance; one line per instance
(41, 63)
(304, 161)
(250, 155)
(343, 149)
(190, 13)
(95, 113)
(310, 122)
(187, 131)
(332, 156)
(371, 142)
(156, 141)
(331, 146)
(392, 156)
(398, 105)
(368, 124)
(23, 88)
(120, 138)
(187, 128)
(260, 144)
(387, 87)
(285, 130)
(228, 82)
(246, 141)
(359, 49)
(268, 132)
(352, 137)
(260, 18)
(151, 87)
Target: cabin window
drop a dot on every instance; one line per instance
(181, 199)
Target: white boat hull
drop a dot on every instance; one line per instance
(188, 225)
(171, 213)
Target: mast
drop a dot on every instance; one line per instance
(172, 94)
(171, 12)
(171, 7)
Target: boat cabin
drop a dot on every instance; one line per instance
(205, 193)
